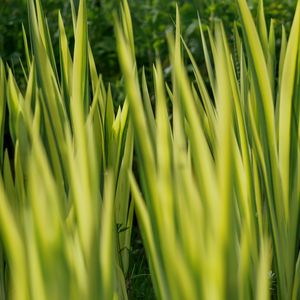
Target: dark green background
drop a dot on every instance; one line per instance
(151, 19)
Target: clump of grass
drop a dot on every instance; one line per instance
(219, 194)
(65, 209)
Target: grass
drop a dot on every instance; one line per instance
(65, 205)
(215, 185)
(218, 202)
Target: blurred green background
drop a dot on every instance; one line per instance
(151, 19)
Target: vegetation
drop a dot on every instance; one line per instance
(65, 211)
(218, 200)
(205, 151)
(151, 19)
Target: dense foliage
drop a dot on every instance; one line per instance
(151, 20)
(202, 145)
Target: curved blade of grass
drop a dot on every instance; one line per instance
(159, 280)
(14, 248)
(2, 109)
(287, 91)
